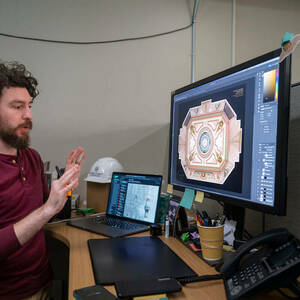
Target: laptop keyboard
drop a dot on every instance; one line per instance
(116, 223)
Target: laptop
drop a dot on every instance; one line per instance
(132, 206)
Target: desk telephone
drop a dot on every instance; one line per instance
(269, 261)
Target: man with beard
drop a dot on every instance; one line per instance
(25, 202)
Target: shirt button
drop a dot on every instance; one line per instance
(24, 179)
(22, 169)
(14, 161)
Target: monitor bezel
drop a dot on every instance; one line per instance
(279, 207)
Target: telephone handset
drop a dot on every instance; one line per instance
(270, 260)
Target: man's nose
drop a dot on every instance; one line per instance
(28, 114)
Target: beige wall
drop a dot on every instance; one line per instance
(114, 99)
(261, 25)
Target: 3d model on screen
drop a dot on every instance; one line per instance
(210, 141)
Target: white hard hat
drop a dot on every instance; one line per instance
(102, 170)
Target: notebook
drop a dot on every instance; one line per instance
(132, 206)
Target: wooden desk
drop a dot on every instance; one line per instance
(81, 272)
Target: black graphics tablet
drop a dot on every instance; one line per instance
(135, 258)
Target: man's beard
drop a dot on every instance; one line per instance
(10, 137)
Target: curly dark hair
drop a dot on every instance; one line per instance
(14, 74)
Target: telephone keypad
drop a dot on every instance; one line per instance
(246, 278)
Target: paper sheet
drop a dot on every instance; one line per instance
(170, 189)
(199, 197)
(229, 229)
(188, 198)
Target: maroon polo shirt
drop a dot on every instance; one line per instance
(24, 270)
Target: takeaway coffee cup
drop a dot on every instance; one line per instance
(211, 240)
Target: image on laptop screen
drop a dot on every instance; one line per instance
(134, 196)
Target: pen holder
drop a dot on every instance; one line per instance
(211, 240)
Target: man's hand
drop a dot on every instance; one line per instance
(26, 228)
(75, 157)
(58, 194)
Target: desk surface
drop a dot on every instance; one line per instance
(81, 272)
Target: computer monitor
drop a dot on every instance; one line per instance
(229, 135)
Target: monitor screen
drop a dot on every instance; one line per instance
(134, 196)
(228, 134)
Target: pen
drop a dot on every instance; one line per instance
(204, 214)
(59, 171)
(222, 219)
(209, 222)
(199, 220)
(198, 212)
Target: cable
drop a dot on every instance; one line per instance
(93, 43)
(247, 235)
(184, 281)
(221, 203)
(295, 84)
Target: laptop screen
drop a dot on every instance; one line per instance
(134, 196)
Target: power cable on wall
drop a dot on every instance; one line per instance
(96, 42)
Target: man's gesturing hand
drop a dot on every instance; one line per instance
(76, 156)
(59, 190)
(26, 228)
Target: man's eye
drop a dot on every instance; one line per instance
(20, 106)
